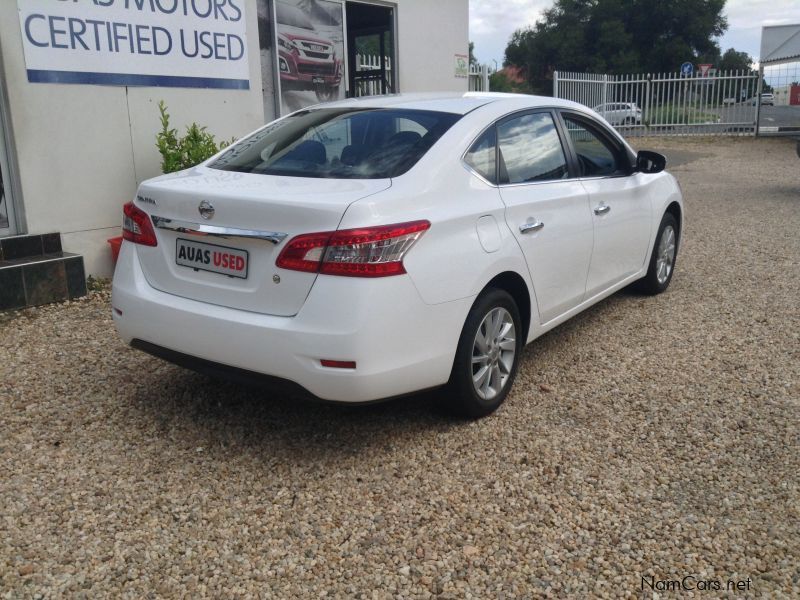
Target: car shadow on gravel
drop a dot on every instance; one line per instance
(229, 415)
(595, 314)
(181, 403)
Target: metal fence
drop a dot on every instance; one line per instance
(479, 78)
(721, 103)
(373, 77)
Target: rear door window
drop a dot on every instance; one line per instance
(530, 150)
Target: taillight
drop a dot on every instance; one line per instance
(137, 226)
(365, 252)
(304, 252)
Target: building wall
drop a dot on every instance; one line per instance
(787, 95)
(429, 35)
(82, 149)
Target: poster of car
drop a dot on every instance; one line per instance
(266, 34)
(310, 43)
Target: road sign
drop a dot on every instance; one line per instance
(704, 70)
(687, 69)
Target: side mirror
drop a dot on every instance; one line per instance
(650, 162)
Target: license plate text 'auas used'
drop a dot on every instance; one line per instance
(210, 257)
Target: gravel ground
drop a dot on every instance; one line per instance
(648, 437)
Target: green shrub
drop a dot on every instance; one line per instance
(178, 153)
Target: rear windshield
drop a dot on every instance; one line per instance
(339, 143)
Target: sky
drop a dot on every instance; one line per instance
(491, 23)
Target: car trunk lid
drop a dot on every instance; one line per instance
(220, 232)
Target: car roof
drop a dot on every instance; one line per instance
(458, 103)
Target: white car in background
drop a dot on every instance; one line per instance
(767, 99)
(446, 234)
(620, 113)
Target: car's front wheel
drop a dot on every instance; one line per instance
(662, 260)
(487, 355)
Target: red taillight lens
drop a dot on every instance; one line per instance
(304, 252)
(367, 252)
(137, 226)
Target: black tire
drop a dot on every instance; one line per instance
(629, 121)
(651, 284)
(462, 396)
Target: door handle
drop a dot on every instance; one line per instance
(602, 209)
(528, 227)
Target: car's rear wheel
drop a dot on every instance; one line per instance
(662, 260)
(630, 121)
(487, 356)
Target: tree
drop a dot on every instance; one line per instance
(735, 61)
(617, 36)
(508, 79)
(473, 62)
(370, 45)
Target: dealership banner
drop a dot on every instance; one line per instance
(174, 43)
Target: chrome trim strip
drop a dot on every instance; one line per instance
(215, 230)
(472, 171)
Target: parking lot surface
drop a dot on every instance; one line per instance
(649, 440)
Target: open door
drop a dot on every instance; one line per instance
(370, 49)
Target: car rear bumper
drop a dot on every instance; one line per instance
(399, 343)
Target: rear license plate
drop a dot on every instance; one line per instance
(317, 80)
(210, 257)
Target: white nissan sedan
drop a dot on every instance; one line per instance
(370, 248)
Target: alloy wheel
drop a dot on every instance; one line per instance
(493, 352)
(666, 254)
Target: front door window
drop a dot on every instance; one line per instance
(596, 159)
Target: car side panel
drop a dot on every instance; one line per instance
(558, 256)
(449, 262)
(622, 235)
(665, 190)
